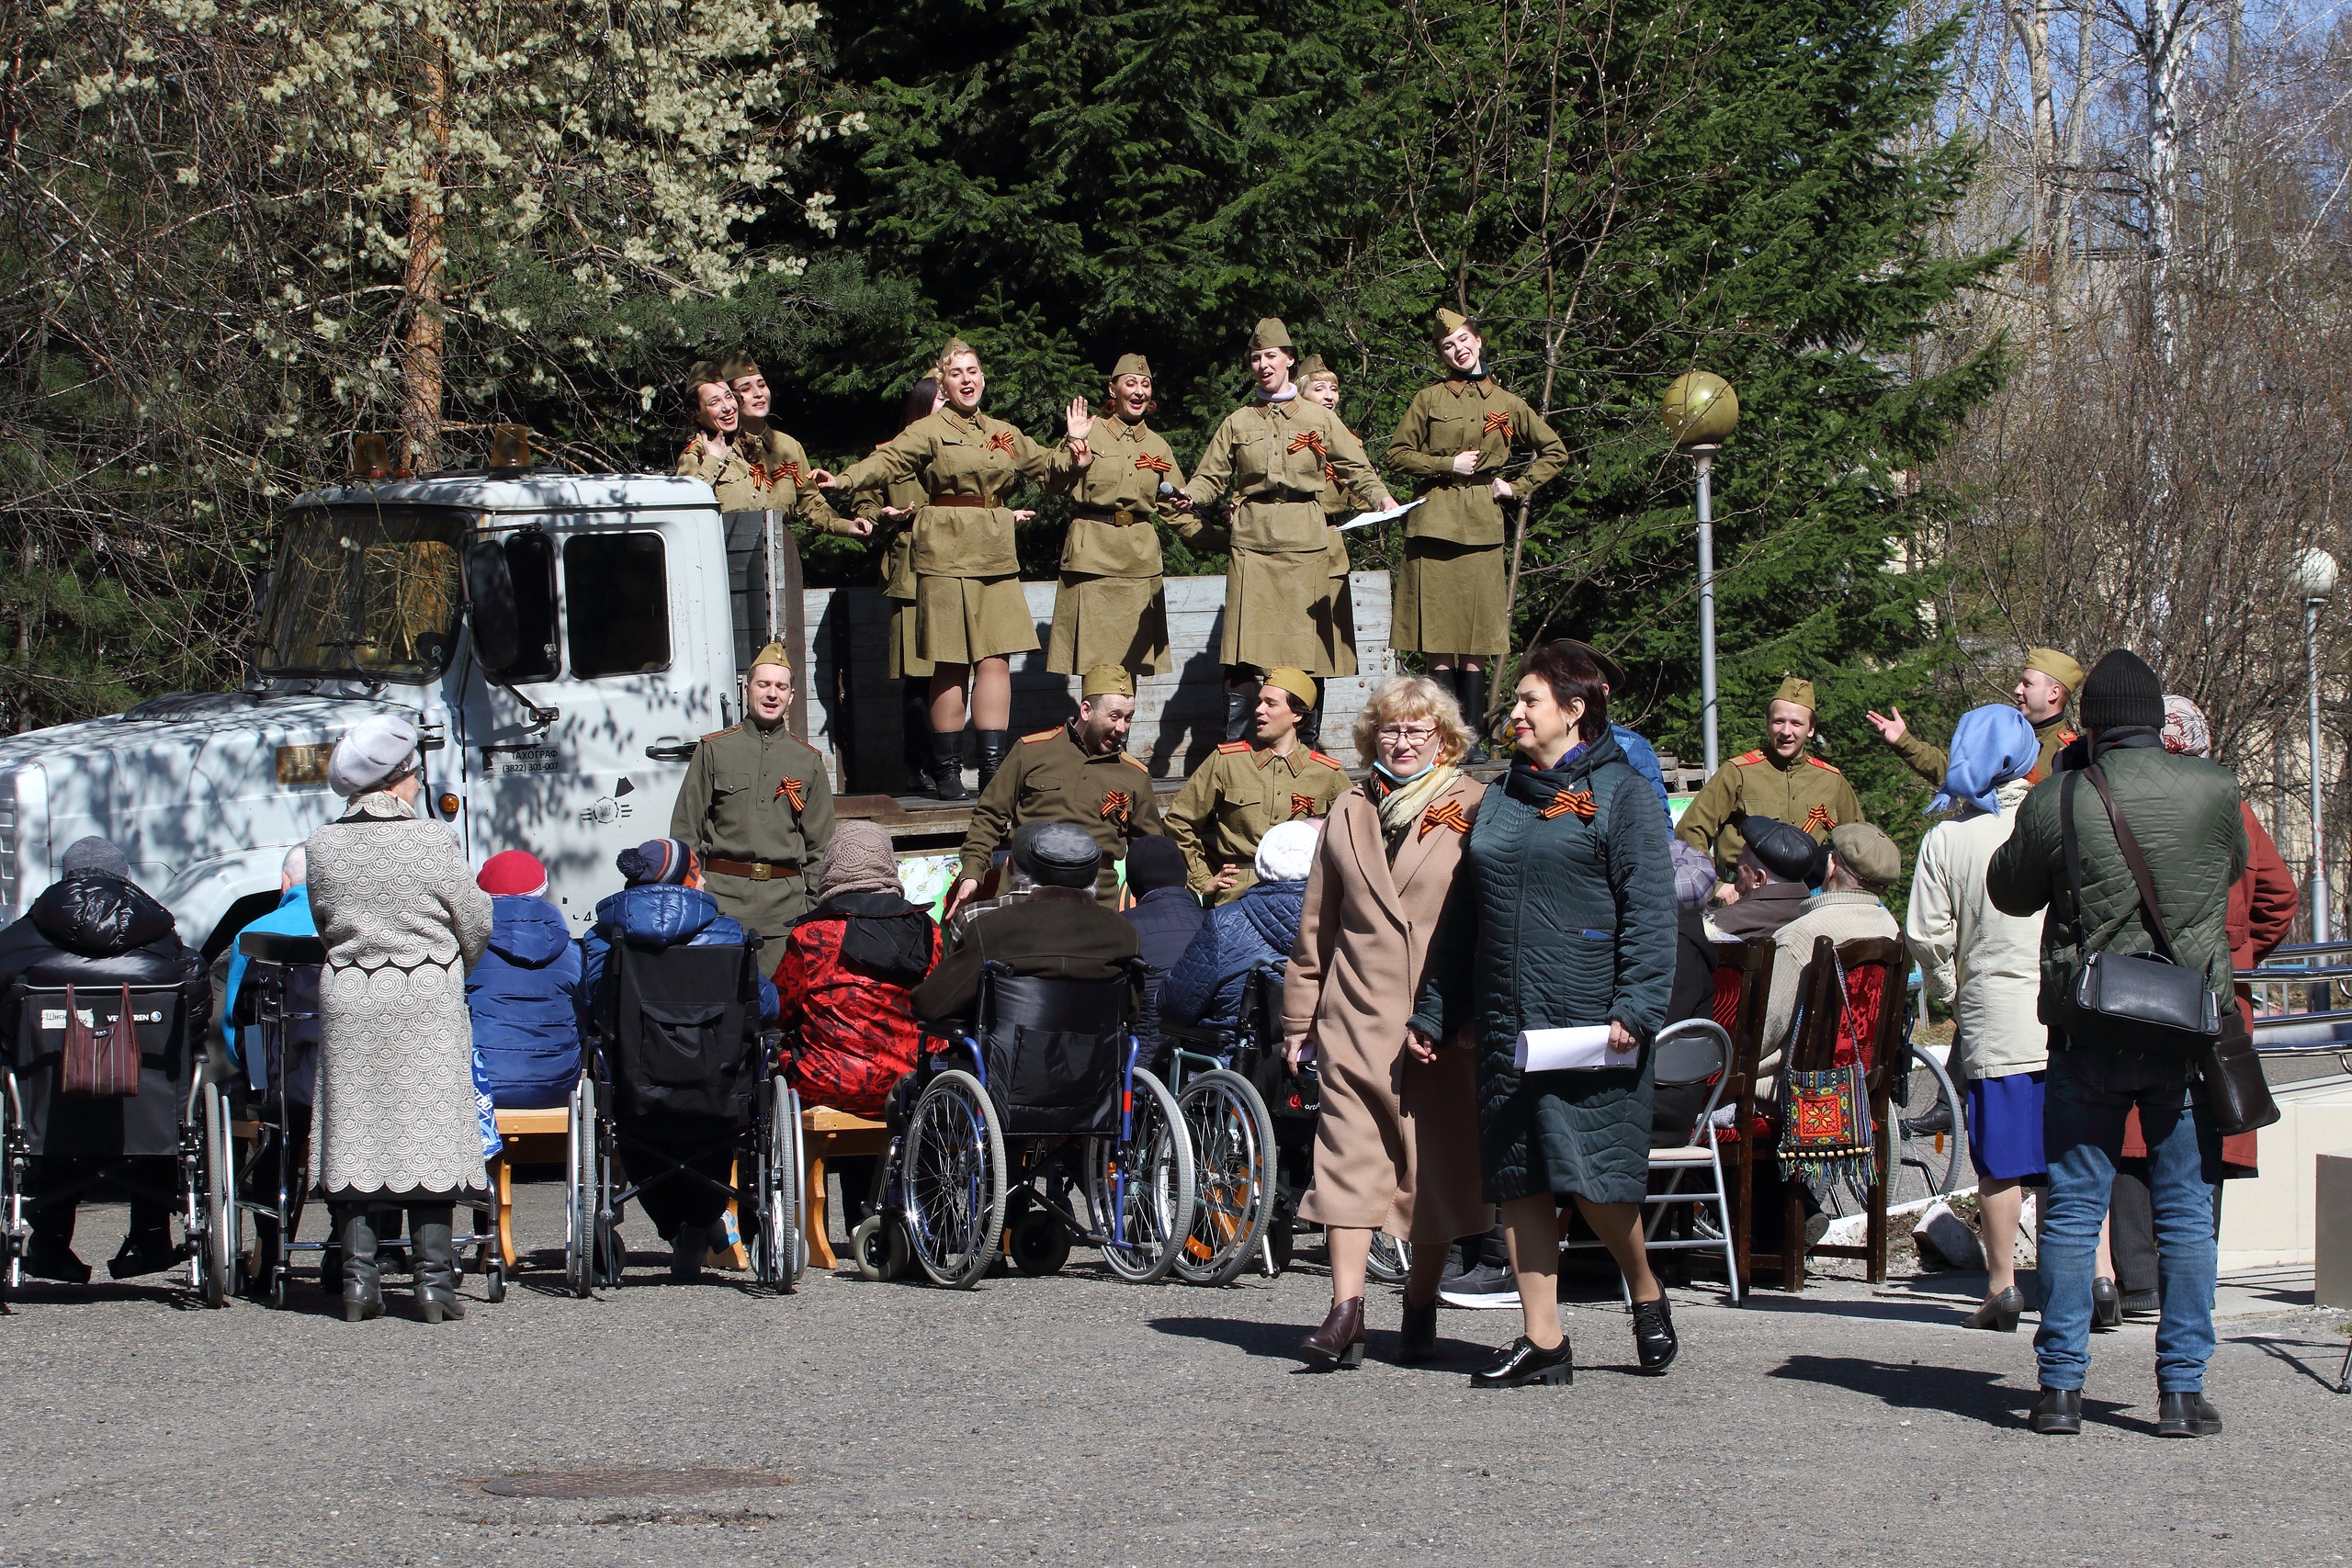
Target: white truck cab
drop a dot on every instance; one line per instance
(561, 640)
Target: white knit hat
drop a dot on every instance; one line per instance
(371, 754)
(1287, 853)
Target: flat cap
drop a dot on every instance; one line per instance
(772, 653)
(1108, 680)
(1131, 365)
(1297, 683)
(373, 752)
(2057, 666)
(1869, 856)
(1798, 690)
(1056, 854)
(1269, 333)
(1789, 853)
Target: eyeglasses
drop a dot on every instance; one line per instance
(1409, 734)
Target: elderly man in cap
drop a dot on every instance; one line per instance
(1061, 928)
(1111, 606)
(1779, 780)
(1863, 864)
(1775, 876)
(2049, 678)
(757, 806)
(1079, 774)
(1243, 791)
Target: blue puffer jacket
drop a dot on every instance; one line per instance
(663, 916)
(1643, 759)
(291, 917)
(1207, 985)
(525, 996)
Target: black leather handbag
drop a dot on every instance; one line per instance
(2146, 1004)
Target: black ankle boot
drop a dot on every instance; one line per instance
(1417, 1336)
(994, 744)
(1470, 688)
(947, 765)
(915, 730)
(434, 1269)
(363, 1286)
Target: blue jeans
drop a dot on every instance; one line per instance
(2087, 1093)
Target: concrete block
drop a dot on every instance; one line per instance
(2332, 1210)
(1951, 1237)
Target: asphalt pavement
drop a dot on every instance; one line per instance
(1080, 1420)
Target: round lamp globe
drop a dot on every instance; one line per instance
(1700, 409)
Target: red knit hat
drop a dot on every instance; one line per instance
(512, 872)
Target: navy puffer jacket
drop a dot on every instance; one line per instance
(525, 996)
(1207, 985)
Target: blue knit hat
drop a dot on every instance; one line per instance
(657, 862)
(1990, 746)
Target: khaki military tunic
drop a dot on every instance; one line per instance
(757, 798)
(729, 475)
(1339, 627)
(1239, 794)
(1808, 794)
(1272, 458)
(1111, 606)
(1931, 762)
(1449, 595)
(967, 577)
(762, 472)
(1050, 778)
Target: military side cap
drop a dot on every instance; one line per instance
(1270, 334)
(1867, 853)
(1056, 854)
(736, 365)
(1312, 369)
(1798, 690)
(1131, 365)
(1108, 680)
(1450, 323)
(1297, 683)
(1787, 852)
(2055, 665)
(772, 654)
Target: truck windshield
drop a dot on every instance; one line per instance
(366, 589)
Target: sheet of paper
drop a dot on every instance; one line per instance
(1390, 515)
(1566, 1050)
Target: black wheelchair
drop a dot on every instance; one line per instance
(683, 1083)
(999, 1133)
(115, 1146)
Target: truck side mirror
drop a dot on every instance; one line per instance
(490, 591)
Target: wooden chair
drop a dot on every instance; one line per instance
(1876, 969)
(1743, 985)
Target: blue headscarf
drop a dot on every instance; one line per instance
(1990, 746)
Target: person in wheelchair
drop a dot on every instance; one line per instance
(1209, 987)
(242, 1040)
(1059, 930)
(663, 907)
(96, 928)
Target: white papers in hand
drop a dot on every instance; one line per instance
(1390, 515)
(1567, 1050)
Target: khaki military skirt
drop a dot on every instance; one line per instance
(906, 659)
(1450, 599)
(1108, 620)
(964, 619)
(1278, 609)
(1338, 627)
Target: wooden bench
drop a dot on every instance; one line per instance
(825, 1131)
(532, 1137)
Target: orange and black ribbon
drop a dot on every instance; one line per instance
(1330, 475)
(1818, 818)
(1301, 805)
(789, 469)
(759, 473)
(1000, 442)
(1566, 800)
(1116, 804)
(1309, 441)
(1496, 419)
(1157, 463)
(793, 790)
(1444, 814)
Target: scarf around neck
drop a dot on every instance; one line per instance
(1401, 804)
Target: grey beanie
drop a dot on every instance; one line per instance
(1056, 854)
(95, 853)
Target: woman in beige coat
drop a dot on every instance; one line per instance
(1396, 1148)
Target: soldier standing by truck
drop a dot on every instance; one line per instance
(757, 806)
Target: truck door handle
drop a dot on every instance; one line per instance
(671, 752)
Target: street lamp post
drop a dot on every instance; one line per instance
(2315, 572)
(1701, 411)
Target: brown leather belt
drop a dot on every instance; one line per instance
(959, 501)
(757, 870)
(1121, 517)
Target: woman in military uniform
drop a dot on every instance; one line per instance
(969, 609)
(1111, 606)
(1320, 382)
(777, 461)
(718, 454)
(1456, 438)
(1271, 454)
(901, 501)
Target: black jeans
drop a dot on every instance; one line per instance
(675, 1163)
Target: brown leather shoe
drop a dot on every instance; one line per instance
(1341, 1339)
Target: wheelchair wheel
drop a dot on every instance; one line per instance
(580, 1188)
(1233, 1163)
(1391, 1259)
(1140, 1188)
(216, 1251)
(954, 1181)
(880, 1249)
(777, 1251)
(494, 1281)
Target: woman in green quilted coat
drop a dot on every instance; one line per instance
(1562, 916)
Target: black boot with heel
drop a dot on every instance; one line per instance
(432, 1244)
(363, 1281)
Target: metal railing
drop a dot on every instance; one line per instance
(2303, 1000)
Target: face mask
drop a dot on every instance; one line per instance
(1393, 777)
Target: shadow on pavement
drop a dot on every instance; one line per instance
(1983, 1396)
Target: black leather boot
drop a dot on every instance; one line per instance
(1239, 720)
(994, 744)
(947, 765)
(363, 1282)
(1470, 688)
(1655, 1345)
(2058, 1413)
(2190, 1415)
(434, 1269)
(1521, 1363)
(1417, 1336)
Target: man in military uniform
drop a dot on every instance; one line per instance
(1243, 791)
(1780, 781)
(2043, 688)
(758, 807)
(1079, 774)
